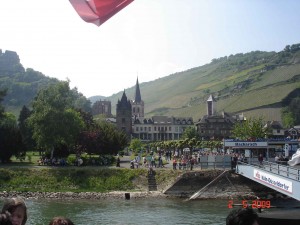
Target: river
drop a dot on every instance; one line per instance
(129, 212)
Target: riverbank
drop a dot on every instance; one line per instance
(116, 183)
(81, 179)
(84, 195)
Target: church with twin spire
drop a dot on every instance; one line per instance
(130, 117)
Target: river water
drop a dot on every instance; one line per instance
(129, 212)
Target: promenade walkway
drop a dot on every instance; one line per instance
(206, 162)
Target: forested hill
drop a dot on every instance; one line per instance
(21, 85)
(256, 84)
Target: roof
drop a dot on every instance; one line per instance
(137, 97)
(165, 120)
(274, 125)
(211, 99)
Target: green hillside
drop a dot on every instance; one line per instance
(21, 85)
(254, 83)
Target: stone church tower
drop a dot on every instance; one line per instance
(124, 115)
(211, 109)
(137, 104)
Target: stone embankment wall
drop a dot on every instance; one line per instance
(230, 185)
(82, 195)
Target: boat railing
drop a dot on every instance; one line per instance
(276, 168)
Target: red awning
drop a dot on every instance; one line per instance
(98, 11)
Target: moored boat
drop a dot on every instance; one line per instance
(280, 217)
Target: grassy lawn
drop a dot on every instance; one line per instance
(80, 179)
(31, 159)
(47, 179)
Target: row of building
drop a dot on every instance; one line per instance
(130, 118)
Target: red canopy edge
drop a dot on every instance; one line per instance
(98, 11)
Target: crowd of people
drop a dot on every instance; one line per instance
(156, 161)
(45, 161)
(14, 212)
(78, 160)
(184, 162)
(179, 161)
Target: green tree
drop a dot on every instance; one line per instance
(105, 139)
(210, 144)
(287, 48)
(181, 144)
(10, 138)
(190, 132)
(2, 95)
(291, 113)
(135, 145)
(160, 145)
(295, 47)
(288, 119)
(54, 120)
(81, 102)
(199, 144)
(294, 108)
(112, 139)
(249, 129)
(25, 129)
(87, 117)
(192, 143)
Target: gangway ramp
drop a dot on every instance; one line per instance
(284, 179)
(198, 193)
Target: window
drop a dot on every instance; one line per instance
(123, 120)
(149, 128)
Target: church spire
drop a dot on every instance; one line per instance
(137, 97)
(124, 97)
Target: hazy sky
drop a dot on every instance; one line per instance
(148, 38)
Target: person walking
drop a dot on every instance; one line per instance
(260, 159)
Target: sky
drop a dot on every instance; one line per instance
(148, 39)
